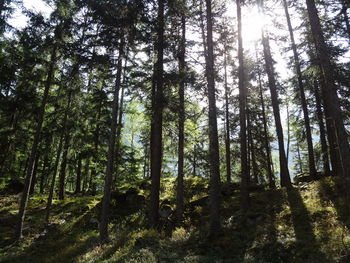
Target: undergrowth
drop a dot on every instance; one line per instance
(307, 224)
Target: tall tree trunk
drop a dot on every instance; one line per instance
(299, 159)
(242, 116)
(35, 171)
(227, 118)
(254, 169)
(36, 141)
(111, 150)
(194, 161)
(214, 188)
(78, 181)
(288, 131)
(284, 172)
(271, 177)
(46, 164)
(310, 148)
(62, 176)
(86, 174)
(57, 160)
(337, 133)
(181, 143)
(120, 117)
(323, 140)
(157, 123)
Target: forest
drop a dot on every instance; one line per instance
(175, 131)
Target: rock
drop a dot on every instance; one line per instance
(307, 178)
(303, 178)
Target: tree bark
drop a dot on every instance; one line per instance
(323, 140)
(120, 117)
(214, 188)
(35, 171)
(36, 141)
(157, 123)
(78, 181)
(337, 132)
(299, 159)
(311, 155)
(254, 168)
(242, 116)
(86, 174)
(284, 172)
(181, 120)
(111, 150)
(227, 118)
(271, 177)
(62, 176)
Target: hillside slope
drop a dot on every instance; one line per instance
(307, 224)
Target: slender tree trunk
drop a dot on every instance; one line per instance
(254, 168)
(299, 159)
(111, 150)
(214, 188)
(266, 138)
(120, 118)
(157, 123)
(86, 174)
(44, 170)
(181, 142)
(35, 171)
(57, 160)
(227, 141)
(249, 169)
(194, 161)
(323, 140)
(337, 133)
(36, 141)
(46, 164)
(242, 116)
(288, 131)
(62, 176)
(78, 182)
(311, 155)
(284, 172)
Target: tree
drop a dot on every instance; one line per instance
(182, 73)
(214, 191)
(242, 116)
(157, 121)
(36, 141)
(312, 166)
(284, 172)
(337, 135)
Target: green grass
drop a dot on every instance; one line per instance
(310, 224)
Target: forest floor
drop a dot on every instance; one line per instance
(306, 224)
